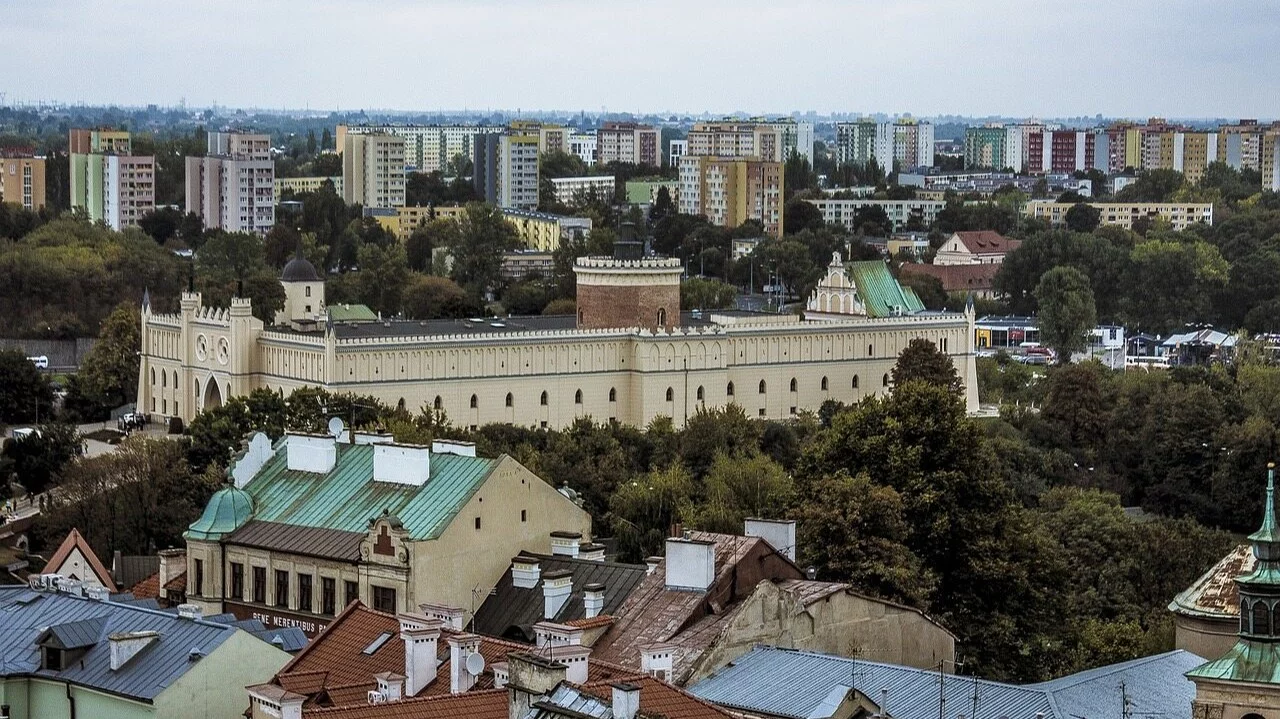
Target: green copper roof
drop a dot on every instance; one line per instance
(1248, 661)
(1268, 532)
(228, 509)
(351, 313)
(881, 292)
(346, 498)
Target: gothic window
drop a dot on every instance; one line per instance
(701, 394)
(577, 397)
(511, 401)
(164, 378)
(671, 395)
(885, 380)
(1261, 618)
(613, 394)
(793, 384)
(475, 402)
(855, 381)
(763, 387)
(439, 402)
(662, 317)
(543, 399)
(824, 384)
(729, 390)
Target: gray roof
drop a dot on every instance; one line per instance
(569, 702)
(297, 539)
(509, 607)
(86, 624)
(289, 639)
(798, 684)
(133, 569)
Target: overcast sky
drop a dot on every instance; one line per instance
(1176, 58)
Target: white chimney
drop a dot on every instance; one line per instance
(126, 645)
(593, 600)
(779, 533)
(577, 662)
(657, 660)
(275, 700)
(651, 564)
(461, 646)
(691, 564)
(98, 594)
(626, 701)
(390, 685)
(73, 587)
(565, 544)
(556, 588)
(591, 552)
(253, 460)
(173, 562)
(421, 638)
(190, 611)
(525, 572)
(551, 634)
(501, 674)
(450, 616)
(453, 446)
(402, 463)
(316, 453)
(374, 438)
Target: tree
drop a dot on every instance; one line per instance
(429, 298)
(483, 235)
(311, 142)
(928, 288)
(662, 207)
(1067, 312)
(921, 361)
(739, 487)
(705, 294)
(1173, 283)
(562, 306)
(326, 140)
(161, 224)
(421, 245)
(110, 370)
(1152, 186)
(799, 214)
(1083, 217)
(38, 459)
(711, 432)
(230, 256)
(643, 510)
(24, 391)
(382, 276)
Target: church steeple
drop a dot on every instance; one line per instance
(1260, 589)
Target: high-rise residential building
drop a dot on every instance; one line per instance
(506, 168)
(728, 191)
(994, 147)
(107, 182)
(768, 140)
(1240, 145)
(553, 138)
(22, 180)
(233, 187)
(427, 148)
(583, 145)
(1270, 160)
(912, 144)
(373, 170)
(1060, 151)
(629, 142)
(678, 149)
(906, 142)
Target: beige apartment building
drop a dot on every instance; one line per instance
(22, 181)
(108, 183)
(1180, 215)
(427, 148)
(232, 188)
(629, 142)
(299, 185)
(732, 190)
(373, 170)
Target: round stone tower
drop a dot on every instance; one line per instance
(628, 290)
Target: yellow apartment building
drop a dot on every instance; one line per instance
(22, 181)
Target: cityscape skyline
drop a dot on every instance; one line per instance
(1015, 61)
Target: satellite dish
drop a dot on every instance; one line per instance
(475, 664)
(336, 427)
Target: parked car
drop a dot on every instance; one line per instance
(41, 361)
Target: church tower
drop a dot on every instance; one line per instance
(303, 293)
(1244, 683)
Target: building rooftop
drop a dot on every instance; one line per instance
(987, 242)
(799, 685)
(346, 498)
(75, 542)
(882, 294)
(511, 611)
(297, 539)
(957, 278)
(1215, 594)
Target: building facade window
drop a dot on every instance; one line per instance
(260, 585)
(662, 317)
(282, 588)
(671, 395)
(438, 403)
(577, 397)
(855, 381)
(885, 380)
(702, 395)
(351, 590)
(237, 581)
(543, 399)
(199, 584)
(328, 595)
(824, 384)
(511, 400)
(524, 515)
(763, 387)
(793, 384)
(304, 592)
(475, 402)
(384, 599)
(729, 389)
(613, 394)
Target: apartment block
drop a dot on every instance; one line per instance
(1270, 159)
(677, 150)
(1061, 151)
(299, 185)
(554, 138)
(1180, 215)
(542, 231)
(373, 170)
(107, 182)
(427, 148)
(906, 142)
(629, 142)
(506, 169)
(732, 190)
(232, 188)
(567, 189)
(22, 181)
(900, 212)
(583, 145)
(1240, 145)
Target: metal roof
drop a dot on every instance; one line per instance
(510, 606)
(294, 539)
(1247, 661)
(798, 684)
(881, 293)
(346, 498)
(86, 624)
(1215, 594)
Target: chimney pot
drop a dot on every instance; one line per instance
(525, 572)
(626, 701)
(593, 599)
(556, 588)
(402, 463)
(565, 544)
(461, 646)
(421, 636)
(315, 453)
(651, 564)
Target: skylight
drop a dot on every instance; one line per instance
(377, 643)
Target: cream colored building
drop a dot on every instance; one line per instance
(22, 181)
(541, 371)
(568, 189)
(314, 522)
(543, 231)
(1180, 215)
(728, 191)
(299, 185)
(373, 170)
(427, 148)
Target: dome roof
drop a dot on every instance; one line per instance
(299, 270)
(228, 509)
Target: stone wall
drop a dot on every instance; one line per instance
(62, 354)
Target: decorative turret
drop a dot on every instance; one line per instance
(303, 292)
(628, 289)
(1260, 589)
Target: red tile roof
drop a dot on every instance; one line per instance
(957, 278)
(985, 242)
(76, 541)
(178, 583)
(148, 588)
(602, 620)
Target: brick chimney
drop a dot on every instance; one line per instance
(421, 637)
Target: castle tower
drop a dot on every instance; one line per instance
(303, 292)
(1244, 683)
(628, 289)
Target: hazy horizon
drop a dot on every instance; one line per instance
(980, 58)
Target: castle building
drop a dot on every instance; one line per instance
(629, 354)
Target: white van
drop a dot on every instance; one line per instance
(41, 362)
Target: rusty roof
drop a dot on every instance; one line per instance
(957, 278)
(319, 542)
(1215, 595)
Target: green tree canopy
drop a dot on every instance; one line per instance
(1067, 312)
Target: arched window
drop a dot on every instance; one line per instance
(671, 395)
(1261, 618)
(729, 389)
(793, 384)
(577, 397)
(400, 403)
(885, 380)
(824, 384)
(1244, 617)
(613, 394)
(439, 403)
(543, 399)
(175, 379)
(701, 394)
(475, 402)
(511, 401)
(662, 316)
(579, 316)
(870, 350)
(855, 381)
(153, 375)
(763, 387)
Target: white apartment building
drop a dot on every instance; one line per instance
(299, 185)
(900, 212)
(427, 148)
(129, 189)
(517, 176)
(907, 142)
(568, 188)
(583, 145)
(1179, 215)
(679, 148)
(373, 170)
(233, 187)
